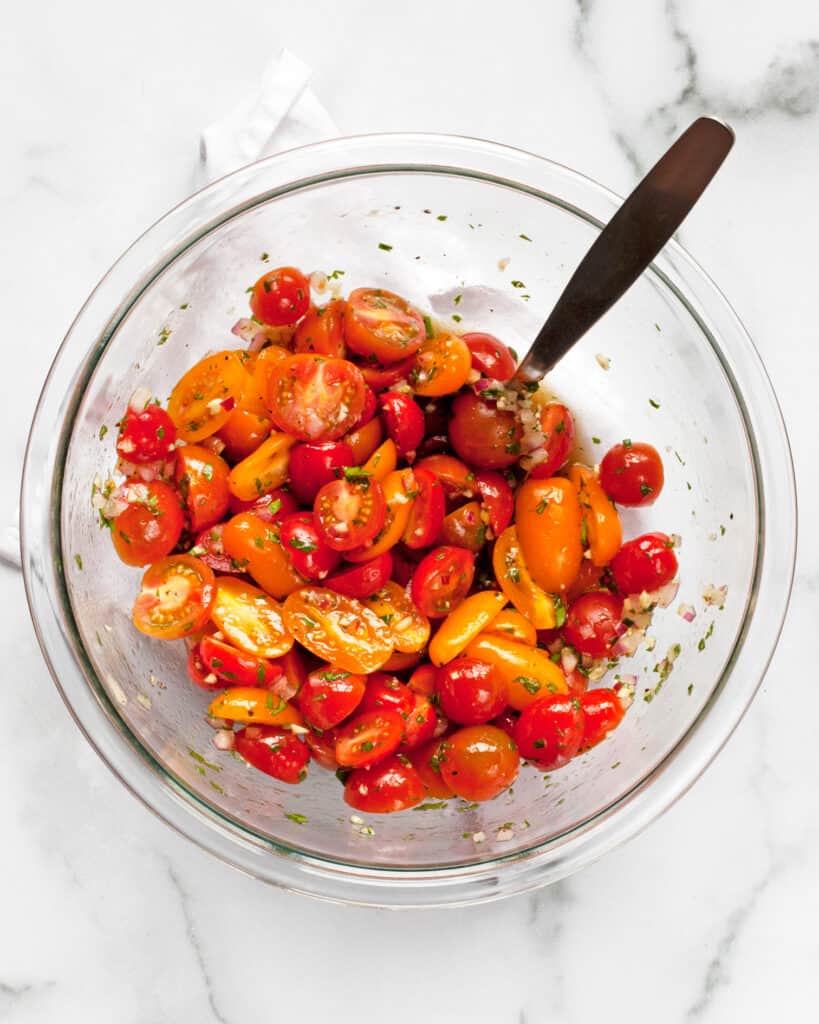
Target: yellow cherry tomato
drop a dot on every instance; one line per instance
(547, 519)
(528, 671)
(255, 548)
(442, 366)
(409, 628)
(262, 470)
(256, 705)
(515, 580)
(399, 491)
(464, 623)
(604, 534)
(204, 398)
(383, 461)
(514, 626)
(250, 618)
(338, 629)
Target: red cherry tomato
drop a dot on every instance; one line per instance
(393, 785)
(322, 331)
(425, 760)
(403, 419)
(589, 577)
(210, 547)
(632, 474)
(380, 377)
(471, 691)
(578, 683)
(557, 426)
(149, 528)
(457, 479)
(274, 751)
(603, 712)
(200, 674)
(383, 325)
(420, 723)
(312, 466)
(369, 738)
(442, 580)
(306, 548)
(350, 512)
(490, 357)
(593, 623)
(385, 691)
(370, 407)
(280, 296)
(329, 695)
(550, 730)
(323, 748)
(498, 499)
(478, 762)
(316, 399)
(271, 507)
(202, 478)
(362, 581)
(645, 563)
(236, 668)
(507, 722)
(483, 435)
(464, 528)
(146, 436)
(428, 510)
(424, 680)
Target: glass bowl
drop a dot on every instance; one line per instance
(430, 217)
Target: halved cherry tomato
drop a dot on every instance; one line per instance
(263, 366)
(547, 516)
(271, 507)
(243, 433)
(311, 466)
(237, 668)
(593, 623)
(497, 497)
(369, 738)
(645, 563)
(363, 441)
(385, 691)
(202, 478)
(280, 296)
(204, 398)
(254, 546)
(149, 528)
(442, 366)
(310, 555)
(176, 598)
(361, 581)
(338, 629)
(490, 357)
(146, 436)
(442, 581)
(404, 420)
(557, 426)
(382, 462)
(483, 435)
(274, 751)
(456, 478)
(529, 672)
(404, 563)
(420, 724)
(515, 580)
(200, 674)
(254, 704)
(250, 618)
(370, 408)
(383, 325)
(603, 711)
(424, 680)
(253, 396)
(514, 626)
(428, 510)
(350, 512)
(425, 761)
(632, 474)
(550, 730)
(409, 628)
(323, 748)
(322, 331)
(470, 691)
(293, 666)
(263, 470)
(604, 535)
(393, 785)
(400, 661)
(464, 528)
(399, 494)
(313, 398)
(474, 614)
(478, 762)
(329, 695)
(380, 377)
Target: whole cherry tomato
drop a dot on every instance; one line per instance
(478, 762)
(329, 695)
(483, 435)
(490, 357)
(385, 691)
(362, 581)
(603, 711)
(632, 474)
(550, 730)
(146, 436)
(280, 296)
(557, 426)
(274, 751)
(403, 419)
(350, 512)
(645, 563)
(470, 691)
(442, 580)
(312, 466)
(322, 331)
(305, 547)
(151, 524)
(593, 623)
(393, 785)
(202, 478)
(420, 724)
(547, 519)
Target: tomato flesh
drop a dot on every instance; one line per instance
(234, 667)
(315, 399)
(381, 324)
(176, 598)
(350, 512)
(329, 695)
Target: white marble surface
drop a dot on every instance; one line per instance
(710, 915)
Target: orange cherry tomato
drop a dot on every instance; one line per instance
(363, 441)
(442, 366)
(409, 628)
(263, 470)
(256, 705)
(340, 630)
(464, 623)
(250, 618)
(479, 762)
(253, 544)
(425, 760)
(514, 626)
(202, 478)
(382, 461)
(243, 433)
(529, 672)
(381, 324)
(398, 487)
(456, 478)
(313, 398)
(263, 366)
(515, 580)
(253, 397)
(604, 534)
(176, 598)
(400, 660)
(204, 398)
(547, 517)
(322, 331)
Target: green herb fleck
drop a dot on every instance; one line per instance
(103, 431)
(78, 560)
(428, 326)
(384, 246)
(530, 685)
(653, 404)
(300, 819)
(441, 216)
(525, 238)
(595, 440)
(164, 334)
(431, 805)
(560, 611)
(517, 284)
(456, 318)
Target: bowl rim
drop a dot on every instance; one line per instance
(208, 827)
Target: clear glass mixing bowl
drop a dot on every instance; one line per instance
(503, 229)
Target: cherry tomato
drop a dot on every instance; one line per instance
(350, 512)
(315, 399)
(274, 751)
(385, 691)
(369, 738)
(557, 426)
(589, 577)
(149, 528)
(645, 563)
(243, 433)
(515, 580)
(380, 377)
(403, 419)
(424, 680)
(514, 626)
(202, 479)
(409, 628)
(404, 563)
(550, 730)
(263, 470)
(314, 465)
(362, 581)
(200, 674)
(255, 705)
(399, 495)
(176, 598)
(295, 673)
(382, 462)
(428, 510)
(146, 436)
(254, 546)
(593, 623)
(420, 724)
(603, 712)
(456, 478)
(547, 516)
(329, 695)
(425, 761)
(462, 625)
(250, 618)
(470, 691)
(478, 762)
(363, 441)
(490, 357)
(442, 580)
(280, 296)
(322, 331)
(483, 435)
(632, 474)
(507, 722)
(464, 528)
(271, 507)
(442, 366)
(234, 667)
(400, 661)
(497, 497)
(370, 408)
(264, 364)
(529, 672)
(338, 629)
(393, 785)
(383, 325)
(601, 523)
(205, 397)
(305, 547)
(577, 682)
(323, 748)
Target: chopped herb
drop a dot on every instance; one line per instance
(456, 318)
(355, 474)
(528, 684)
(264, 257)
(722, 531)
(331, 675)
(310, 623)
(441, 216)
(645, 490)
(160, 433)
(387, 619)
(627, 442)
(457, 299)
(539, 743)
(274, 707)
(541, 506)
(302, 545)
(184, 305)
(78, 560)
(584, 532)
(517, 284)
(560, 611)
(428, 326)
(431, 805)
(384, 246)
(259, 542)
(701, 644)
(595, 440)
(103, 431)
(367, 746)
(560, 427)
(300, 819)
(525, 238)
(690, 689)
(164, 334)
(260, 673)
(335, 275)
(653, 404)
(207, 472)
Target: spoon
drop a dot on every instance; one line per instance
(630, 241)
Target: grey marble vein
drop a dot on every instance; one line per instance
(11, 995)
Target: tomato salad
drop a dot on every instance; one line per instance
(379, 553)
